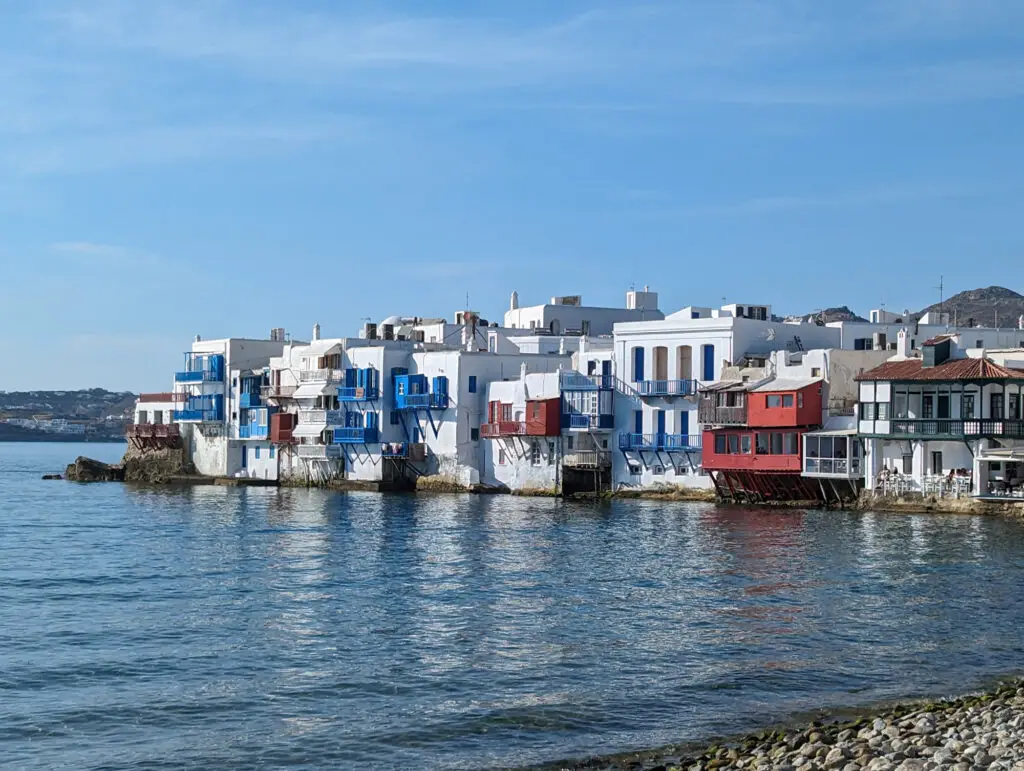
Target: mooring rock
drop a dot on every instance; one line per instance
(89, 470)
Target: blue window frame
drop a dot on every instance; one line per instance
(472, 384)
(257, 453)
(272, 452)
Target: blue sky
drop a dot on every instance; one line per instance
(171, 167)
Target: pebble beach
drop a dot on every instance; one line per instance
(981, 731)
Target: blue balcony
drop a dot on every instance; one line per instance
(666, 388)
(656, 442)
(360, 385)
(252, 431)
(356, 435)
(576, 421)
(249, 400)
(357, 394)
(208, 408)
(412, 392)
(575, 381)
(198, 416)
(202, 368)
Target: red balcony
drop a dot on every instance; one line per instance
(282, 424)
(503, 428)
(162, 397)
(758, 451)
(152, 430)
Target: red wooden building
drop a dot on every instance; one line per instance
(543, 417)
(754, 452)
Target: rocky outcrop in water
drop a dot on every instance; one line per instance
(156, 466)
(89, 470)
(977, 732)
(153, 466)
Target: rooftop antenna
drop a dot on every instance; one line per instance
(467, 301)
(942, 295)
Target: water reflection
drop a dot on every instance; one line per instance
(227, 628)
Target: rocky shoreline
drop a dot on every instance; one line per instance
(980, 731)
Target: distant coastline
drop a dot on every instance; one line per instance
(17, 434)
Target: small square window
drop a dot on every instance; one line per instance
(773, 400)
(815, 371)
(472, 384)
(787, 400)
(474, 434)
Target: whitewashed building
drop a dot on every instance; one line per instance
(659, 369)
(945, 420)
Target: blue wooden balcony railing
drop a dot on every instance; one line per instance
(666, 387)
(356, 435)
(655, 442)
(582, 422)
(249, 400)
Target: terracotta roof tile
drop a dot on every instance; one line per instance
(955, 369)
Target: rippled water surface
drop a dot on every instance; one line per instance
(221, 628)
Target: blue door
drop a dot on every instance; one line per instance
(709, 362)
(638, 364)
(684, 427)
(638, 422)
(606, 373)
(245, 456)
(660, 422)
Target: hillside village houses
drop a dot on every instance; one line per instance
(563, 397)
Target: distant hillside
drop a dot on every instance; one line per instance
(73, 405)
(841, 313)
(64, 416)
(992, 306)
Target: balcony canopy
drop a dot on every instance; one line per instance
(307, 431)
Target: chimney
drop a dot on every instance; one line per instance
(903, 344)
(522, 371)
(316, 331)
(198, 339)
(513, 303)
(561, 346)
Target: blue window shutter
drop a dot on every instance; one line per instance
(709, 362)
(661, 421)
(371, 419)
(638, 364)
(638, 422)
(684, 422)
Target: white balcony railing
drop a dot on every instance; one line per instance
(322, 451)
(321, 375)
(588, 459)
(313, 417)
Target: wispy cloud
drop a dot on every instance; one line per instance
(105, 253)
(87, 86)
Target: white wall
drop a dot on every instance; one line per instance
(509, 462)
